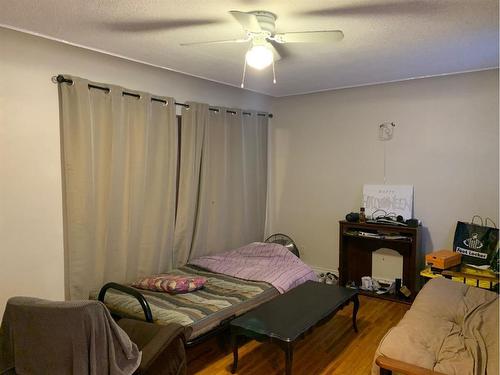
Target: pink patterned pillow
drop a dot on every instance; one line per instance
(173, 284)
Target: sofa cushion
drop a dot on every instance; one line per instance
(451, 328)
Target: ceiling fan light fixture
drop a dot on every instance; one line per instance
(259, 57)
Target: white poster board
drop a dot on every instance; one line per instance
(392, 199)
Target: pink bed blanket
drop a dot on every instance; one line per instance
(268, 262)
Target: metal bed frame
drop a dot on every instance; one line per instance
(223, 326)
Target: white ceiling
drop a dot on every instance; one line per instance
(385, 40)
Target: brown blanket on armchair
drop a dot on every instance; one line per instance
(80, 337)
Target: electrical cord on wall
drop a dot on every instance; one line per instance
(385, 132)
(384, 164)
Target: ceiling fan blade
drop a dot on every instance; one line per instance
(280, 48)
(276, 54)
(155, 25)
(378, 8)
(247, 20)
(216, 42)
(326, 36)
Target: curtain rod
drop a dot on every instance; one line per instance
(60, 79)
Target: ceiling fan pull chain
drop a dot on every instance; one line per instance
(244, 73)
(274, 74)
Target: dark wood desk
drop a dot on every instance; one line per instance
(355, 253)
(290, 316)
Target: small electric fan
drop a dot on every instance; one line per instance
(284, 240)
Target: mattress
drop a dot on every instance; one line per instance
(222, 297)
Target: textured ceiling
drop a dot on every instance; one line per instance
(385, 40)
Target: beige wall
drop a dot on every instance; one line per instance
(31, 231)
(324, 147)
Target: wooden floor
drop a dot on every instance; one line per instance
(333, 348)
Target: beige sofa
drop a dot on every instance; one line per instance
(451, 328)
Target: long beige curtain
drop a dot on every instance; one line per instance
(223, 181)
(119, 174)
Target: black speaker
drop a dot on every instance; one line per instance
(398, 285)
(353, 217)
(412, 223)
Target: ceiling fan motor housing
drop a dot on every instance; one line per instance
(267, 21)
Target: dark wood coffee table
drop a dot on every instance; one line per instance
(290, 316)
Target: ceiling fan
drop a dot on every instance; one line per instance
(260, 29)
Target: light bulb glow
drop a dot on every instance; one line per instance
(259, 57)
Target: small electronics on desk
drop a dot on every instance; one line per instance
(354, 217)
(399, 221)
(443, 259)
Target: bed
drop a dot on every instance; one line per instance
(236, 282)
